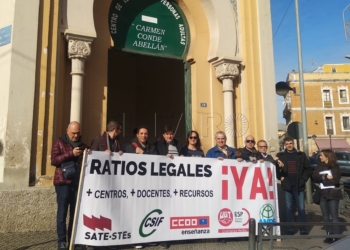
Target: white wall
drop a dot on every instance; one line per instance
(6, 13)
(17, 71)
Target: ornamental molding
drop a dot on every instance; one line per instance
(79, 46)
(227, 69)
(79, 49)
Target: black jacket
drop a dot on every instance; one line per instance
(304, 170)
(162, 149)
(329, 193)
(245, 154)
(147, 149)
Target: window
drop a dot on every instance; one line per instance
(346, 124)
(329, 125)
(343, 94)
(334, 70)
(327, 102)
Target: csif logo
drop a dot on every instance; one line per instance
(151, 221)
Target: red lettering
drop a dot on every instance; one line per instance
(258, 178)
(239, 181)
(269, 174)
(224, 190)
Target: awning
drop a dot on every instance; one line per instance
(337, 144)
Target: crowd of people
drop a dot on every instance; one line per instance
(293, 170)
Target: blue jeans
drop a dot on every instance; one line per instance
(66, 196)
(329, 210)
(299, 197)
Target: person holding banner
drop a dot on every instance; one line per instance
(68, 148)
(167, 145)
(221, 150)
(327, 173)
(264, 156)
(294, 172)
(108, 141)
(193, 146)
(140, 145)
(248, 153)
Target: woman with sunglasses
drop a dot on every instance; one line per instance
(193, 146)
(327, 173)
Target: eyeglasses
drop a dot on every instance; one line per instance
(250, 141)
(193, 137)
(262, 146)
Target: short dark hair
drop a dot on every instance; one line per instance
(167, 128)
(111, 125)
(261, 141)
(288, 138)
(141, 127)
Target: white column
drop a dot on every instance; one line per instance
(78, 52)
(227, 71)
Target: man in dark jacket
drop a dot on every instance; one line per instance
(108, 141)
(294, 172)
(168, 145)
(248, 153)
(140, 145)
(67, 148)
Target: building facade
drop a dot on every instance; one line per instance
(195, 64)
(327, 106)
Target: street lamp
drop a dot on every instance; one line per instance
(302, 99)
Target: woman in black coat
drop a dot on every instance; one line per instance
(327, 173)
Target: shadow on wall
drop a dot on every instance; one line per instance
(1, 148)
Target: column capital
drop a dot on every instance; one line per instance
(79, 46)
(226, 69)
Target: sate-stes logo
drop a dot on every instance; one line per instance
(99, 223)
(186, 222)
(225, 217)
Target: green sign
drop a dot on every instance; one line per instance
(156, 27)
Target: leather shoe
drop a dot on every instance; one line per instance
(328, 240)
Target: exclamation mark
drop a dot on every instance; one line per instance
(224, 183)
(269, 173)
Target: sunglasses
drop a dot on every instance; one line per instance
(250, 141)
(192, 137)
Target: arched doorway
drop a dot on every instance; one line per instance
(146, 70)
(146, 90)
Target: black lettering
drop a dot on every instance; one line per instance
(153, 173)
(162, 169)
(199, 170)
(182, 170)
(129, 166)
(189, 171)
(93, 237)
(142, 169)
(106, 168)
(105, 236)
(95, 166)
(207, 170)
(87, 235)
(114, 236)
(115, 164)
(171, 172)
(123, 168)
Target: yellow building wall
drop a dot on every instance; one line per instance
(315, 110)
(52, 110)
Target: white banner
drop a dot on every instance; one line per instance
(145, 198)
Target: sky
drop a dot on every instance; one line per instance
(322, 37)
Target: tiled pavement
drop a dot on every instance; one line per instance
(47, 240)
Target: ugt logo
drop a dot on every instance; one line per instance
(267, 213)
(150, 222)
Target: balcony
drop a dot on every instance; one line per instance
(327, 104)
